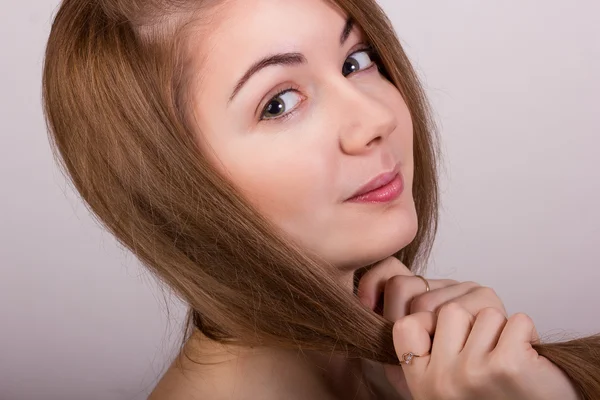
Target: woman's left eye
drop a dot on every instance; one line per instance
(281, 105)
(357, 61)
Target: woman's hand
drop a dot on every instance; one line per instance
(404, 294)
(472, 358)
(476, 352)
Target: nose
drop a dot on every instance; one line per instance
(366, 121)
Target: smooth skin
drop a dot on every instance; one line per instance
(297, 139)
(476, 351)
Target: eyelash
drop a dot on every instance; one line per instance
(285, 116)
(367, 49)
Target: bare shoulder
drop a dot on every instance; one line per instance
(208, 372)
(176, 385)
(222, 382)
(188, 380)
(196, 374)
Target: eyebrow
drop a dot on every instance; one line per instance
(284, 59)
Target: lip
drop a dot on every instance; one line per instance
(377, 182)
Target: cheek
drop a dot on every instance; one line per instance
(403, 140)
(285, 186)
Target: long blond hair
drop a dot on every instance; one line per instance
(114, 92)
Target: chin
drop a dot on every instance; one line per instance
(384, 237)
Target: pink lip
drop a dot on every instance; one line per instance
(384, 187)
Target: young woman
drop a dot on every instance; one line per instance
(274, 162)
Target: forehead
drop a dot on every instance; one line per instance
(239, 32)
(260, 23)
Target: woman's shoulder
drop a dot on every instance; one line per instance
(183, 381)
(220, 384)
(194, 376)
(202, 375)
(173, 386)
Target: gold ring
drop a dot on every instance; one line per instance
(426, 283)
(408, 357)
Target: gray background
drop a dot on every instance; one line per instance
(515, 86)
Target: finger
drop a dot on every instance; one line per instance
(412, 334)
(488, 326)
(432, 300)
(372, 283)
(519, 329)
(399, 292)
(454, 324)
(468, 295)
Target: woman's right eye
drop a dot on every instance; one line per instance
(281, 104)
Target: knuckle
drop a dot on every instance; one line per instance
(521, 319)
(384, 269)
(491, 313)
(471, 284)
(396, 282)
(452, 312)
(487, 291)
(405, 324)
(452, 308)
(423, 302)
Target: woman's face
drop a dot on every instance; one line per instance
(300, 133)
